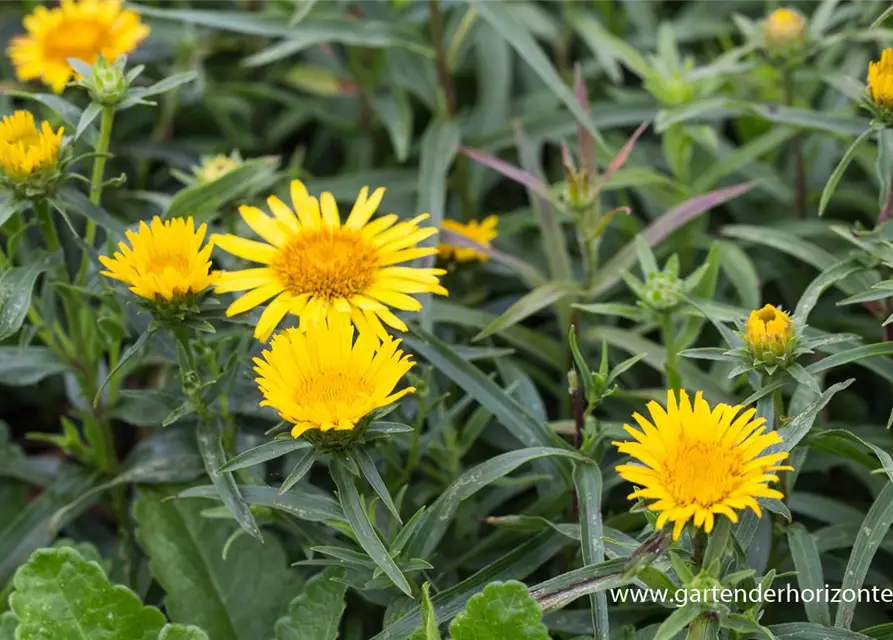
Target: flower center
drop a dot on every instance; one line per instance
(766, 315)
(161, 262)
(701, 472)
(331, 388)
(329, 263)
(81, 39)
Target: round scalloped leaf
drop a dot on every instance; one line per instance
(504, 611)
(60, 596)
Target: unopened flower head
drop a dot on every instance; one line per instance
(29, 155)
(81, 30)
(880, 80)
(694, 462)
(164, 262)
(769, 335)
(214, 167)
(784, 27)
(322, 379)
(315, 266)
(481, 233)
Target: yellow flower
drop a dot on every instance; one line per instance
(769, 333)
(880, 79)
(315, 267)
(481, 233)
(164, 260)
(697, 462)
(25, 149)
(784, 26)
(322, 379)
(81, 30)
(213, 167)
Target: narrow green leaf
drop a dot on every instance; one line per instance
(811, 631)
(504, 611)
(527, 429)
(316, 611)
(588, 483)
(871, 534)
(370, 472)
(210, 446)
(10, 206)
(87, 117)
(529, 304)
(16, 285)
(839, 170)
(309, 504)
(210, 196)
(560, 591)
(517, 564)
(81, 204)
(819, 285)
(264, 452)
(810, 577)
(677, 621)
(302, 466)
(358, 518)
(851, 355)
(129, 352)
(233, 599)
(61, 596)
(437, 518)
(612, 271)
(30, 528)
(792, 433)
(395, 112)
(522, 41)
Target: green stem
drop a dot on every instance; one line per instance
(47, 228)
(102, 149)
(96, 182)
(778, 407)
(703, 628)
(674, 381)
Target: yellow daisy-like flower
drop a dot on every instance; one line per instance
(880, 79)
(769, 332)
(322, 379)
(315, 267)
(481, 233)
(697, 462)
(25, 149)
(213, 167)
(783, 26)
(165, 259)
(81, 30)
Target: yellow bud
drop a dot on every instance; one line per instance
(880, 79)
(769, 335)
(783, 27)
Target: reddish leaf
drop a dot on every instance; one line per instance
(623, 155)
(509, 171)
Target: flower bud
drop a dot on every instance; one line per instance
(769, 336)
(105, 81)
(784, 28)
(663, 290)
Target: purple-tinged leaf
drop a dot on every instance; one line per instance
(612, 271)
(622, 155)
(510, 171)
(584, 138)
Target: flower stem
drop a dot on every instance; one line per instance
(443, 73)
(778, 407)
(107, 118)
(674, 381)
(47, 228)
(797, 145)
